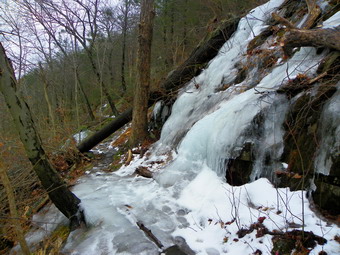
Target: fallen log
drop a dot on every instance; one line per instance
(201, 55)
(328, 37)
(88, 143)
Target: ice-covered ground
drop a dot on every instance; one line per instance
(188, 202)
(201, 209)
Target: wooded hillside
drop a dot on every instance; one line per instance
(75, 63)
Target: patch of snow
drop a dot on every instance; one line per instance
(79, 137)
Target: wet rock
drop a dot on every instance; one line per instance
(173, 250)
(240, 168)
(302, 139)
(327, 193)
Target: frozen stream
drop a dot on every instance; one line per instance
(200, 211)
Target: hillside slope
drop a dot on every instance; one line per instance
(247, 143)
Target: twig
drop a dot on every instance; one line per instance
(149, 234)
(282, 21)
(317, 78)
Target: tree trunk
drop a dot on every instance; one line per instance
(87, 102)
(329, 38)
(13, 209)
(139, 128)
(57, 190)
(125, 25)
(103, 85)
(47, 98)
(88, 143)
(172, 34)
(197, 60)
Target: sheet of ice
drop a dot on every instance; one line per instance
(199, 97)
(330, 132)
(43, 224)
(332, 22)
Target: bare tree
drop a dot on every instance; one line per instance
(46, 43)
(124, 11)
(77, 18)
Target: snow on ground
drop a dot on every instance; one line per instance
(206, 212)
(188, 201)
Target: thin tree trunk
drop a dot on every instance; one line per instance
(185, 32)
(139, 128)
(13, 209)
(172, 33)
(165, 42)
(47, 98)
(110, 67)
(57, 190)
(102, 84)
(87, 102)
(124, 47)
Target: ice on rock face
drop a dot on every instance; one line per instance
(194, 103)
(330, 132)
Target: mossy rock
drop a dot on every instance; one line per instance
(301, 139)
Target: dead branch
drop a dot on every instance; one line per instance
(149, 234)
(314, 12)
(282, 20)
(329, 38)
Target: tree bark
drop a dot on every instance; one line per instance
(197, 59)
(57, 190)
(329, 37)
(139, 128)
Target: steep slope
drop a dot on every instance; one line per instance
(248, 127)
